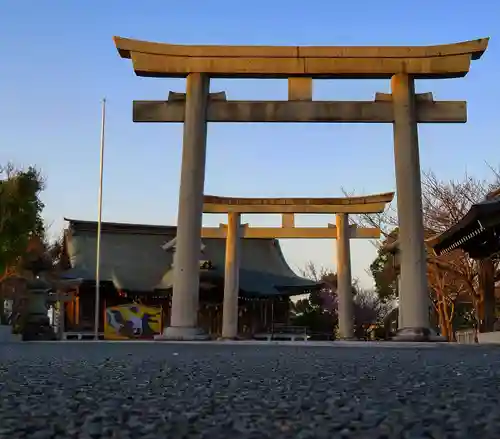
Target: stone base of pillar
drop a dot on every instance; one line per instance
(181, 333)
(418, 334)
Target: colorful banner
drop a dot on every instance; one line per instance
(132, 321)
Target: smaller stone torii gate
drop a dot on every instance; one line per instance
(288, 208)
(403, 108)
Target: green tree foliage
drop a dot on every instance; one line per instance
(384, 272)
(21, 221)
(318, 311)
(20, 213)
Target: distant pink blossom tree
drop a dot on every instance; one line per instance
(321, 307)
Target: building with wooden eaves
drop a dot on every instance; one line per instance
(136, 267)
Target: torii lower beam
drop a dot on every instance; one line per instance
(342, 231)
(378, 111)
(329, 232)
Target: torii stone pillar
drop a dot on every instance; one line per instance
(344, 280)
(231, 278)
(413, 291)
(185, 298)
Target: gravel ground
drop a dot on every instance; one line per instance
(160, 390)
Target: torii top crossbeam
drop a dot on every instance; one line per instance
(424, 62)
(364, 204)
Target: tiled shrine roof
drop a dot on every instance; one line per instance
(133, 259)
(477, 233)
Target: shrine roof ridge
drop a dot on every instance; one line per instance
(367, 199)
(172, 60)
(77, 226)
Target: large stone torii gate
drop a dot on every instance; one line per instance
(403, 108)
(288, 207)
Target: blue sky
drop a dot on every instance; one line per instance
(58, 61)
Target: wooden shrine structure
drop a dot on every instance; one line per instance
(478, 235)
(137, 265)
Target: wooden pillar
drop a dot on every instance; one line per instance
(345, 296)
(413, 291)
(77, 306)
(103, 316)
(264, 313)
(272, 313)
(183, 325)
(255, 318)
(62, 317)
(486, 270)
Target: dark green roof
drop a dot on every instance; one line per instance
(133, 259)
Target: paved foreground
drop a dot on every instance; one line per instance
(155, 390)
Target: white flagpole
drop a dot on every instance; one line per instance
(99, 223)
